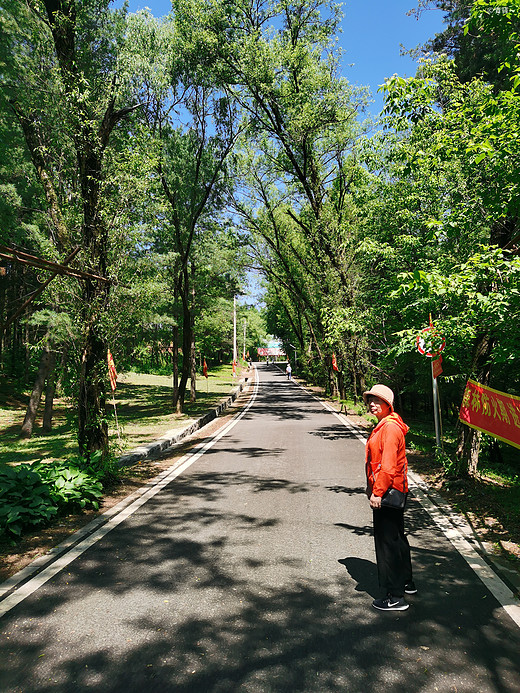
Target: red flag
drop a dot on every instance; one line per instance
(234, 367)
(112, 373)
(205, 369)
(334, 362)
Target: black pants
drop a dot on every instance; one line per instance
(394, 565)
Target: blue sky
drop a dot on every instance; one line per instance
(373, 31)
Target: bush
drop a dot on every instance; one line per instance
(69, 485)
(449, 464)
(102, 468)
(31, 495)
(25, 500)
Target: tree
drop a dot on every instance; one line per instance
(64, 91)
(279, 65)
(476, 53)
(461, 137)
(193, 153)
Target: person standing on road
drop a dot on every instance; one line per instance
(386, 467)
(288, 370)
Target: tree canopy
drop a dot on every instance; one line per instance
(174, 155)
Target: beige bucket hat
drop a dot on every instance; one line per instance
(381, 391)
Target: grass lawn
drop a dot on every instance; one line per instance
(144, 412)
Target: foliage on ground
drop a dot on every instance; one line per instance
(32, 495)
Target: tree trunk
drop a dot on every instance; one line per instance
(92, 422)
(468, 448)
(341, 385)
(34, 401)
(183, 382)
(186, 345)
(175, 355)
(2, 315)
(193, 369)
(355, 374)
(49, 393)
(193, 358)
(27, 354)
(468, 444)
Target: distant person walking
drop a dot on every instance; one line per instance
(386, 468)
(288, 370)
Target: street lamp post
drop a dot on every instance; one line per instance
(234, 336)
(293, 347)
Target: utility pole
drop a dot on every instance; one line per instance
(234, 336)
(293, 347)
(244, 351)
(436, 411)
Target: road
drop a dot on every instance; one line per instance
(253, 570)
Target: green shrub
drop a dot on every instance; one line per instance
(69, 485)
(449, 463)
(31, 495)
(102, 467)
(25, 499)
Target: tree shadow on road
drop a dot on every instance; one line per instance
(334, 432)
(180, 600)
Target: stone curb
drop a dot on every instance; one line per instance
(172, 437)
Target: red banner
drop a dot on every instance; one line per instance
(492, 412)
(437, 367)
(112, 371)
(334, 362)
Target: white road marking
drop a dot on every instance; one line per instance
(451, 524)
(145, 494)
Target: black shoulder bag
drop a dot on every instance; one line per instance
(393, 498)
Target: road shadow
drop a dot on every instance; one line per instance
(351, 491)
(363, 573)
(177, 599)
(334, 432)
(279, 401)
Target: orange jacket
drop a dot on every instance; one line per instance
(386, 464)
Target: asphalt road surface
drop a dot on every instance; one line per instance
(253, 570)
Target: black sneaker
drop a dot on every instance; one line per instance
(410, 588)
(390, 603)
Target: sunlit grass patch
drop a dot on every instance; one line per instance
(144, 411)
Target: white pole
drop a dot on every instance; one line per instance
(244, 353)
(234, 332)
(115, 412)
(435, 410)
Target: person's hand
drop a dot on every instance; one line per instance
(375, 501)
